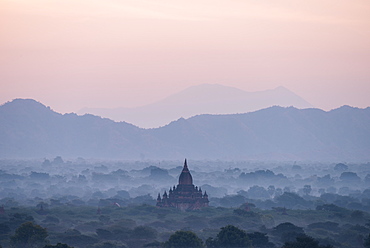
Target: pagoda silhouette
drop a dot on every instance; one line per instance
(185, 196)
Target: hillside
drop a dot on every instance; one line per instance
(201, 99)
(29, 129)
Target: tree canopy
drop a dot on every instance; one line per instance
(29, 235)
(59, 245)
(229, 236)
(305, 241)
(367, 242)
(184, 239)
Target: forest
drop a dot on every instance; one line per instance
(63, 203)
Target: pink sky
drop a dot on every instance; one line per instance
(71, 54)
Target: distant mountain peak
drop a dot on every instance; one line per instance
(207, 90)
(345, 108)
(201, 99)
(24, 103)
(282, 88)
(211, 86)
(32, 130)
(17, 101)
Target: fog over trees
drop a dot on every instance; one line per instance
(278, 177)
(97, 203)
(184, 124)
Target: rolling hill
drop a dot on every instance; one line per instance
(200, 99)
(28, 129)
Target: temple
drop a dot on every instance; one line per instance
(185, 196)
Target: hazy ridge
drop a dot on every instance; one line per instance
(200, 99)
(29, 129)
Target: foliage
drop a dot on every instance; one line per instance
(104, 218)
(107, 244)
(357, 215)
(340, 167)
(287, 227)
(245, 213)
(287, 231)
(258, 192)
(184, 239)
(291, 200)
(328, 225)
(29, 235)
(104, 234)
(307, 189)
(225, 220)
(232, 201)
(229, 236)
(59, 245)
(51, 219)
(144, 232)
(260, 240)
(324, 226)
(154, 244)
(350, 177)
(330, 207)
(4, 229)
(305, 241)
(75, 238)
(71, 200)
(17, 219)
(271, 190)
(367, 241)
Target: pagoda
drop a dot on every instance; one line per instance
(185, 196)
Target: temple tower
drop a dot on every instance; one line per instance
(185, 196)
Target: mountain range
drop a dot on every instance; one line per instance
(200, 99)
(29, 129)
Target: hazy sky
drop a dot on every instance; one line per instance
(70, 54)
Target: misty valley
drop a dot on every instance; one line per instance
(184, 124)
(279, 177)
(113, 203)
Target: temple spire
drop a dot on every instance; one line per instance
(185, 176)
(185, 196)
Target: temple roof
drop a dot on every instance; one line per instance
(185, 176)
